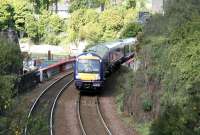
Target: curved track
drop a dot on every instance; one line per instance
(41, 112)
(90, 118)
(54, 106)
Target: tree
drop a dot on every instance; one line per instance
(130, 30)
(6, 16)
(174, 63)
(130, 4)
(92, 32)
(22, 9)
(78, 20)
(10, 57)
(10, 65)
(31, 27)
(78, 4)
(111, 19)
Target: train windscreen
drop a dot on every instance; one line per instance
(88, 66)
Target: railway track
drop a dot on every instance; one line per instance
(40, 117)
(90, 118)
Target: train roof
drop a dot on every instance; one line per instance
(103, 49)
(100, 50)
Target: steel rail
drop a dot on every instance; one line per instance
(39, 97)
(79, 116)
(54, 105)
(99, 115)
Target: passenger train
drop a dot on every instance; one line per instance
(92, 66)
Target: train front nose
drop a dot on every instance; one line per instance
(86, 80)
(87, 74)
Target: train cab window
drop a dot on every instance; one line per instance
(126, 50)
(88, 66)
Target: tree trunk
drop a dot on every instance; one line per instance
(56, 3)
(47, 5)
(102, 7)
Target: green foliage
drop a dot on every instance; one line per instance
(52, 38)
(31, 27)
(173, 62)
(158, 25)
(143, 128)
(22, 9)
(6, 88)
(6, 16)
(91, 32)
(147, 105)
(109, 35)
(42, 24)
(10, 57)
(111, 19)
(130, 30)
(130, 4)
(10, 64)
(40, 5)
(130, 16)
(55, 23)
(179, 12)
(79, 23)
(79, 4)
(123, 87)
(12, 14)
(44, 27)
(18, 15)
(94, 27)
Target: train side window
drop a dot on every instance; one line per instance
(131, 48)
(118, 49)
(126, 49)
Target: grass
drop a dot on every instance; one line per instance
(143, 128)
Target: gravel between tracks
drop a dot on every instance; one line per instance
(66, 122)
(26, 100)
(41, 111)
(112, 119)
(65, 116)
(109, 111)
(90, 118)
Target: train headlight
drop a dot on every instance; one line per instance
(98, 77)
(77, 77)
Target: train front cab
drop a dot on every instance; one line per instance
(88, 72)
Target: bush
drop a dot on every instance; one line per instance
(79, 4)
(55, 24)
(130, 30)
(87, 24)
(173, 63)
(130, 16)
(6, 16)
(78, 23)
(130, 4)
(44, 27)
(22, 9)
(91, 32)
(147, 105)
(52, 38)
(111, 19)
(10, 65)
(31, 27)
(10, 57)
